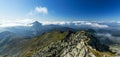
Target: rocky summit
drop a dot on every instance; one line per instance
(75, 45)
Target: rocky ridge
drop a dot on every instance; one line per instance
(74, 45)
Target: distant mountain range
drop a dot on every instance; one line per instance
(35, 29)
(104, 29)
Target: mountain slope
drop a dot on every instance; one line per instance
(10, 43)
(55, 43)
(42, 41)
(68, 44)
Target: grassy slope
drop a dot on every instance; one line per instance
(42, 41)
(13, 43)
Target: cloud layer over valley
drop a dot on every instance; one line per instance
(105, 30)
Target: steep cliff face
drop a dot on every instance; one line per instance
(74, 45)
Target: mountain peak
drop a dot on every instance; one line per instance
(36, 23)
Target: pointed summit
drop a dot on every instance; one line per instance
(36, 23)
(36, 26)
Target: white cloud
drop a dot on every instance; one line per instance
(25, 22)
(10, 25)
(115, 39)
(38, 10)
(15, 22)
(99, 25)
(54, 22)
(42, 10)
(76, 23)
(92, 24)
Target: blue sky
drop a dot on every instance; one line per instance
(60, 9)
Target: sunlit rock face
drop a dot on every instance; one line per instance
(75, 45)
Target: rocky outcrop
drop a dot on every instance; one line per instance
(74, 45)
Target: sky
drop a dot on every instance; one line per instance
(59, 10)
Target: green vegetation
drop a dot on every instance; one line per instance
(56, 43)
(42, 41)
